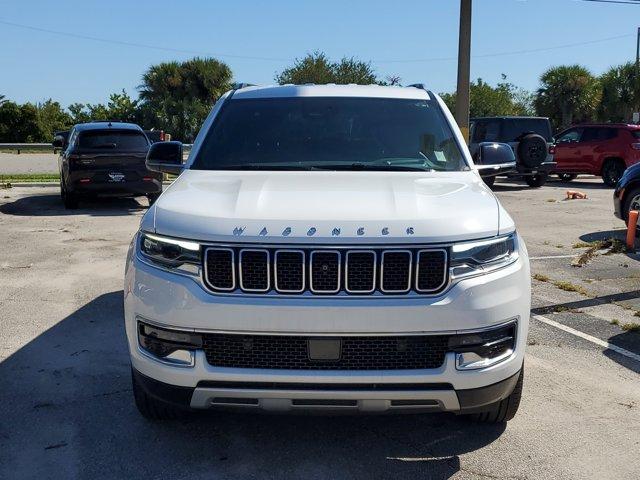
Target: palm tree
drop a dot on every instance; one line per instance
(569, 93)
(177, 96)
(620, 93)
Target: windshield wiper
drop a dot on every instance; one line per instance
(357, 166)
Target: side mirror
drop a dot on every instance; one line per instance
(165, 157)
(494, 158)
(58, 141)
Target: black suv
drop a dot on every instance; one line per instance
(530, 138)
(105, 158)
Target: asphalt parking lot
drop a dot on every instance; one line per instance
(66, 408)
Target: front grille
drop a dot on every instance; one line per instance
(390, 271)
(357, 353)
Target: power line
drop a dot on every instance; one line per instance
(516, 52)
(138, 45)
(623, 2)
(280, 59)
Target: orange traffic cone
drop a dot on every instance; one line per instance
(632, 225)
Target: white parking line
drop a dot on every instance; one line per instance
(589, 338)
(552, 256)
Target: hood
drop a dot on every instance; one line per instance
(337, 207)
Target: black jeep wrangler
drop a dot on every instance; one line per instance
(530, 138)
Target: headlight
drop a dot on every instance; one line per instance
(474, 258)
(170, 252)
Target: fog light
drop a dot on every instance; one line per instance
(169, 346)
(483, 349)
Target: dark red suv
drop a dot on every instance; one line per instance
(606, 150)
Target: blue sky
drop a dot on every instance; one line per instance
(36, 65)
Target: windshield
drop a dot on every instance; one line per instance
(341, 133)
(514, 128)
(112, 139)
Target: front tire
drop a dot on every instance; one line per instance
(632, 202)
(612, 172)
(151, 408)
(504, 410)
(537, 180)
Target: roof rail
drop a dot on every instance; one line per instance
(421, 86)
(239, 85)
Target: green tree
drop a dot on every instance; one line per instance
(51, 118)
(620, 94)
(79, 113)
(176, 97)
(569, 94)
(487, 101)
(99, 111)
(19, 123)
(122, 107)
(317, 68)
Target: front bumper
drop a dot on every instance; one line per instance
(134, 188)
(298, 397)
(176, 301)
(544, 168)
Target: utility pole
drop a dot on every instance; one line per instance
(464, 69)
(636, 115)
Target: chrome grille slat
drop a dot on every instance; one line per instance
(255, 270)
(324, 271)
(343, 270)
(395, 271)
(360, 271)
(219, 269)
(429, 277)
(289, 274)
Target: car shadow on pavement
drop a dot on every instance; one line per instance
(619, 234)
(51, 205)
(630, 341)
(587, 302)
(67, 412)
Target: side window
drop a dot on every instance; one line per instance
(591, 134)
(72, 138)
(486, 131)
(570, 136)
(599, 134)
(608, 133)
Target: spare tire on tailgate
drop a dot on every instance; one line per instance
(532, 150)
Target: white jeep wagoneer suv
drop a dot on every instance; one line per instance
(328, 248)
